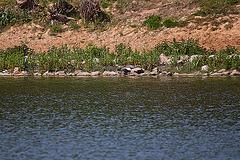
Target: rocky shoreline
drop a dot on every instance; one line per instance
(125, 71)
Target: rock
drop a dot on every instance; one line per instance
(83, 74)
(153, 73)
(96, 60)
(184, 58)
(61, 73)
(45, 74)
(147, 74)
(126, 70)
(164, 59)
(235, 73)
(77, 71)
(194, 57)
(205, 68)
(198, 73)
(227, 73)
(211, 56)
(169, 74)
(222, 70)
(16, 71)
(25, 73)
(112, 73)
(51, 74)
(5, 74)
(137, 70)
(70, 74)
(37, 74)
(96, 73)
(180, 62)
(166, 73)
(216, 74)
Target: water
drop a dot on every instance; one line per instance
(119, 118)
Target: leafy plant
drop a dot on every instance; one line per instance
(10, 17)
(153, 22)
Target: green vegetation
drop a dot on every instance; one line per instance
(153, 22)
(10, 17)
(216, 7)
(94, 58)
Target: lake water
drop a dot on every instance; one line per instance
(120, 118)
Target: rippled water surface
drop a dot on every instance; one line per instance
(120, 118)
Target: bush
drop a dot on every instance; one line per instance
(153, 22)
(10, 17)
(169, 23)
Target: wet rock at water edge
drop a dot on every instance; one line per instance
(61, 73)
(235, 73)
(77, 71)
(110, 73)
(227, 73)
(83, 74)
(137, 70)
(166, 73)
(37, 74)
(96, 73)
(216, 74)
(197, 73)
(126, 70)
(5, 74)
(70, 74)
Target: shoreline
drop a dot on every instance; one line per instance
(123, 73)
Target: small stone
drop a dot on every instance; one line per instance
(197, 73)
(126, 70)
(45, 74)
(137, 70)
(194, 57)
(227, 73)
(235, 73)
(169, 74)
(222, 70)
(96, 73)
(205, 68)
(113, 73)
(183, 58)
(77, 71)
(5, 74)
(164, 58)
(216, 74)
(70, 74)
(37, 74)
(211, 56)
(83, 74)
(61, 73)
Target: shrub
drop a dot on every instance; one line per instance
(153, 22)
(10, 17)
(169, 23)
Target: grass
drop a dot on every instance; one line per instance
(153, 22)
(10, 17)
(216, 7)
(94, 58)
